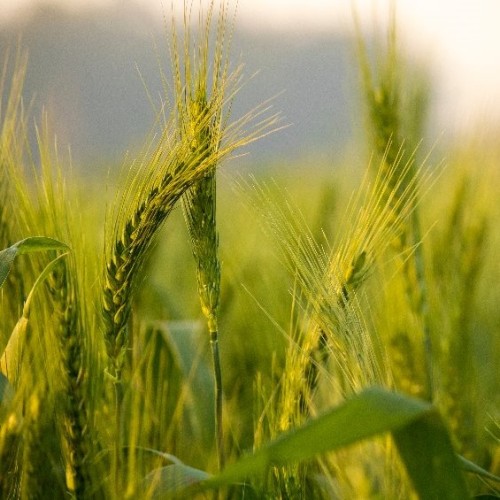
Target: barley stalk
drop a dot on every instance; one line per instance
(123, 263)
(175, 165)
(72, 348)
(54, 214)
(328, 281)
(132, 239)
(199, 203)
(181, 160)
(395, 144)
(12, 132)
(199, 208)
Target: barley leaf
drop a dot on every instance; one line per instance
(7, 256)
(36, 243)
(473, 468)
(425, 447)
(169, 481)
(158, 453)
(418, 431)
(32, 244)
(12, 354)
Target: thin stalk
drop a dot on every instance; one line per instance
(117, 462)
(219, 432)
(423, 305)
(201, 120)
(390, 133)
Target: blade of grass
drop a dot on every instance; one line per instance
(28, 245)
(167, 481)
(473, 468)
(11, 357)
(416, 426)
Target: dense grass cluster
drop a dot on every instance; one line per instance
(357, 316)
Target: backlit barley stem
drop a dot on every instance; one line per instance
(200, 211)
(124, 260)
(329, 281)
(12, 132)
(201, 121)
(66, 316)
(72, 348)
(177, 164)
(391, 141)
(195, 139)
(127, 256)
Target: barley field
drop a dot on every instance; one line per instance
(180, 330)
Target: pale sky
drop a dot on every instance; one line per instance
(459, 38)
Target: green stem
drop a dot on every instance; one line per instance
(219, 436)
(117, 462)
(423, 305)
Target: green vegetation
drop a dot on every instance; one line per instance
(350, 332)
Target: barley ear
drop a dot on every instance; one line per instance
(199, 209)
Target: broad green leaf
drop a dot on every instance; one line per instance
(36, 243)
(417, 428)
(172, 480)
(425, 447)
(11, 357)
(32, 244)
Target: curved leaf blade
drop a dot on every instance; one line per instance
(31, 244)
(473, 468)
(172, 480)
(37, 243)
(426, 449)
(12, 354)
(420, 436)
(7, 257)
